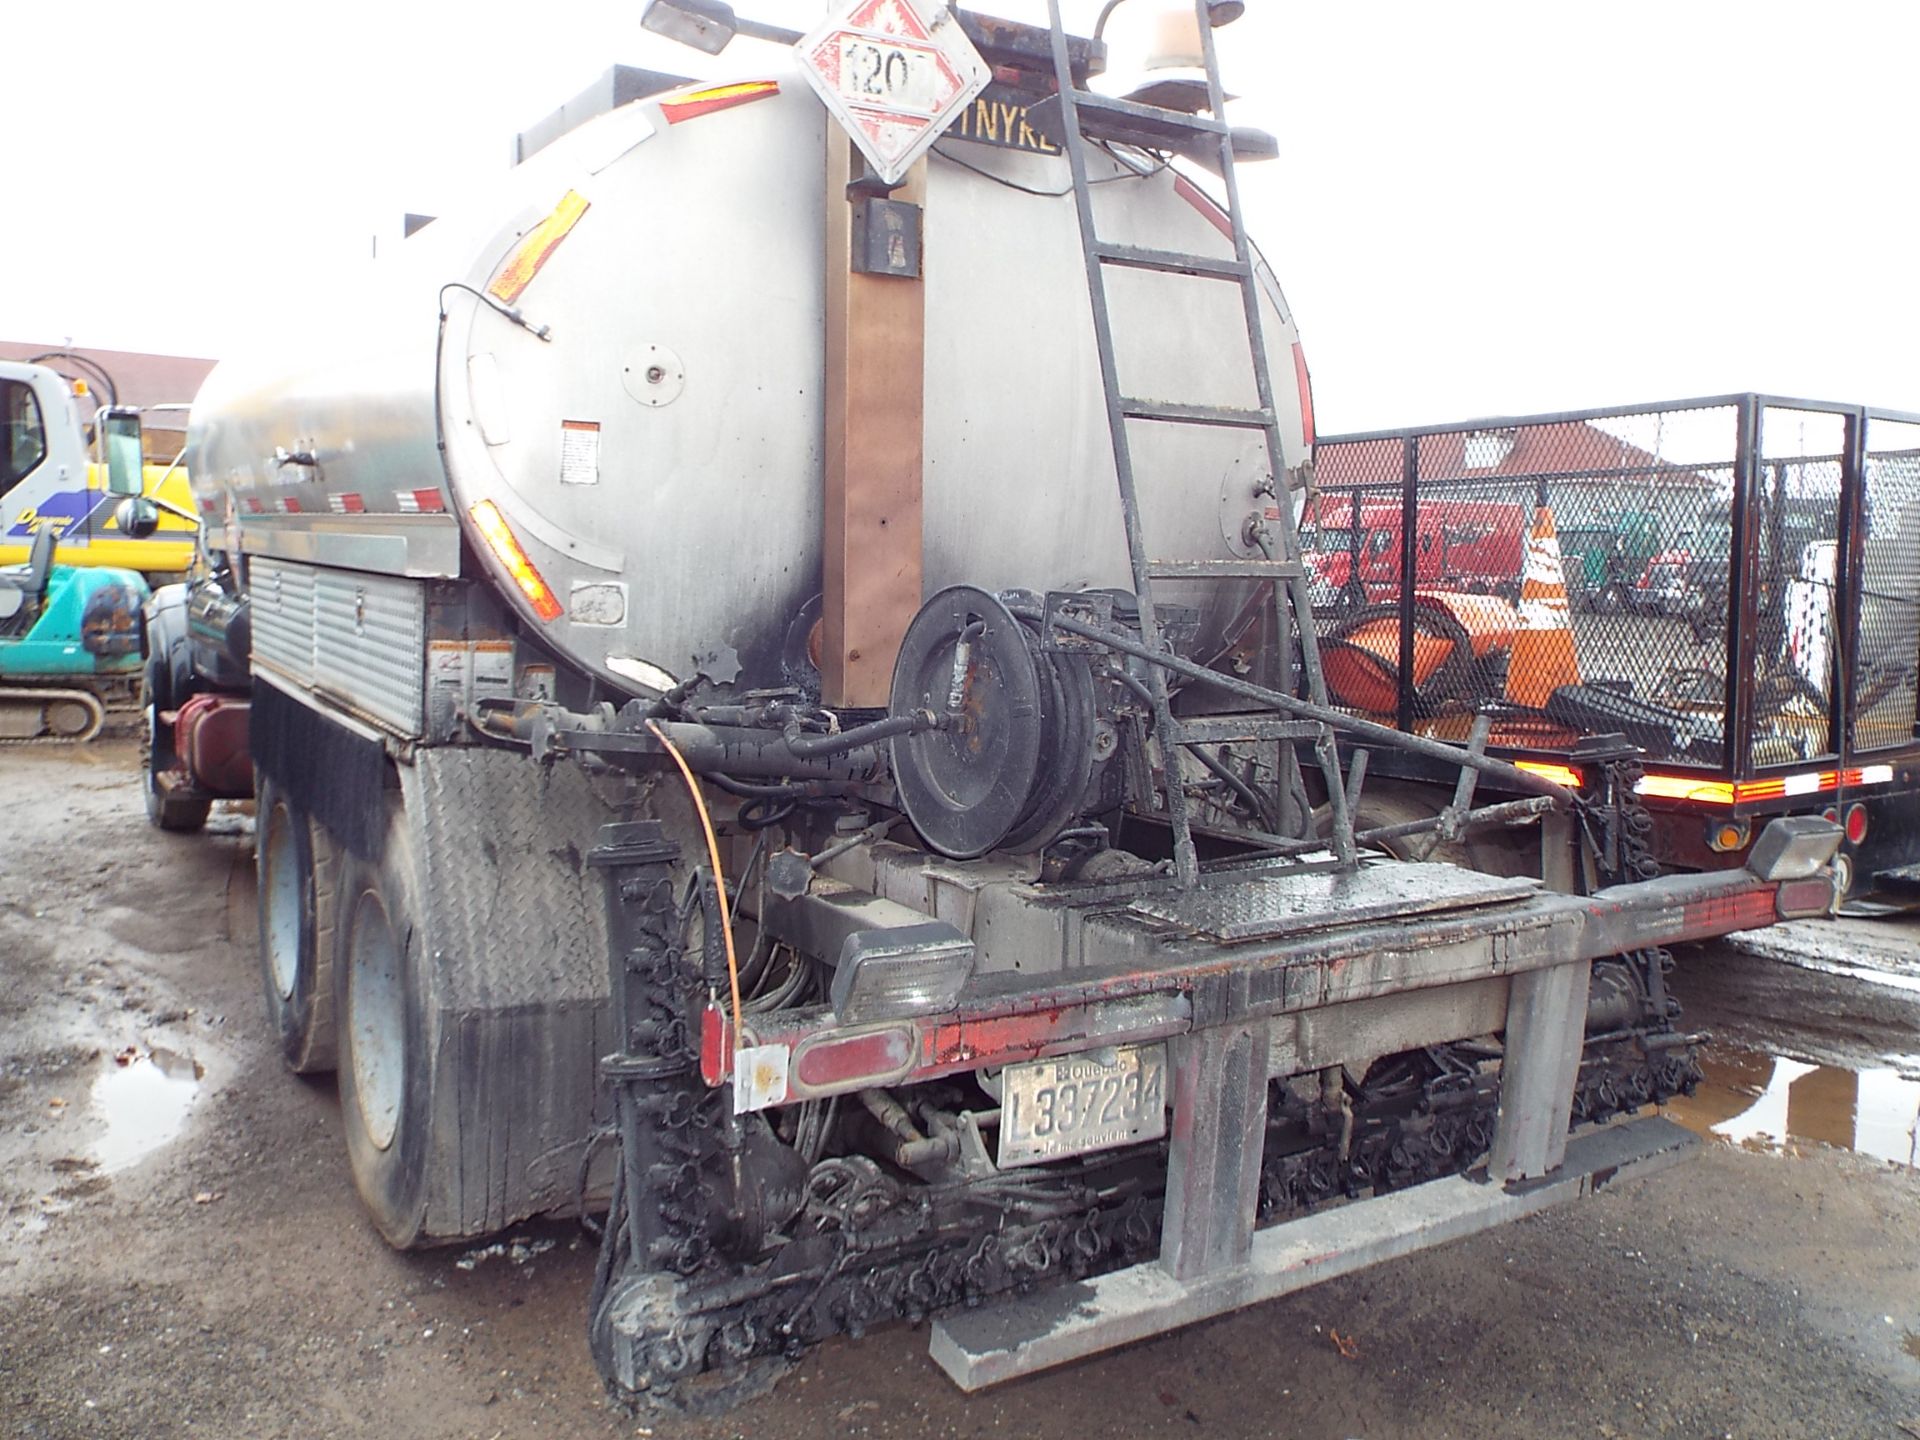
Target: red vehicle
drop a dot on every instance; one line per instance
(1353, 548)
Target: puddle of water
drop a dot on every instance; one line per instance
(144, 1104)
(1773, 1102)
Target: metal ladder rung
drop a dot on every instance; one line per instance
(1173, 262)
(1103, 117)
(1225, 569)
(1078, 118)
(1226, 415)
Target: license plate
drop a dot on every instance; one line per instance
(1054, 1108)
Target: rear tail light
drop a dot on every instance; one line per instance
(1856, 823)
(838, 1061)
(1803, 899)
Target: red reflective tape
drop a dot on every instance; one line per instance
(536, 246)
(1305, 381)
(429, 500)
(1722, 914)
(719, 97)
(1203, 202)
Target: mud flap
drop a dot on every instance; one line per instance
(519, 982)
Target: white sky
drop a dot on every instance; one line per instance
(1478, 209)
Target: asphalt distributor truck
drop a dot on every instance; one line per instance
(830, 761)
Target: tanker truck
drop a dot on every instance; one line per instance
(828, 761)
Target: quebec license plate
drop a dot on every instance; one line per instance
(1054, 1108)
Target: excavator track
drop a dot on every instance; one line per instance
(52, 716)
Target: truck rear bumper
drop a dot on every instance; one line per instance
(1037, 1331)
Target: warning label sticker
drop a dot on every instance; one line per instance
(579, 452)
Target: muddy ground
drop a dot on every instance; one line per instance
(181, 1252)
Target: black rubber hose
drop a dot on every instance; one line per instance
(816, 747)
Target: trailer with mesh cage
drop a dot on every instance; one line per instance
(1733, 588)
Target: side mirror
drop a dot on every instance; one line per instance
(137, 517)
(119, 431)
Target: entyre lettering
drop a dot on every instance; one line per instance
(999, 117)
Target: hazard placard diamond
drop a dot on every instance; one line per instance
(895, 74)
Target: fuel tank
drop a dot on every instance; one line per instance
(650, 430)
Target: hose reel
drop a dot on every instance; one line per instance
(1015, 764)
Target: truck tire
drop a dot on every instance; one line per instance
(295, 864)
(383, 1007)
(182, 814)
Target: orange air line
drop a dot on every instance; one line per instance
(719, 878)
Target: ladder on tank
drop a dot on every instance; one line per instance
(1087, 117)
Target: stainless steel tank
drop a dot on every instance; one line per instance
(658, 454)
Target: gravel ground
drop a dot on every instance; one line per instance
(222, 1282)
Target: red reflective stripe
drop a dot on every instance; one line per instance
(429, 500)
(1305, 382)
(1746, 911)
(722, 97)
(1203, 202)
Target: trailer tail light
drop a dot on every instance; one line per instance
(1856, 823)
(837, 1061)
(534, 248)
(1559, 774)
(718, 97)
(492, 526)
(1804, 899)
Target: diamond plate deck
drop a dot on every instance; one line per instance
(1266, 906)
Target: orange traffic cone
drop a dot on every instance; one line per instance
(1542, 658)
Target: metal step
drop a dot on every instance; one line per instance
(1232, 417)
(1051, 1326)
(1226, 729)
(1172, 262)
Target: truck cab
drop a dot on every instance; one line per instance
(48, 479)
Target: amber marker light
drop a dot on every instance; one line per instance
(492, 526)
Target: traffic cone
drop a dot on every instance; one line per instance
(1542, 658)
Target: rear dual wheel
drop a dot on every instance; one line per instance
(298, 876)
(386, 1066)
